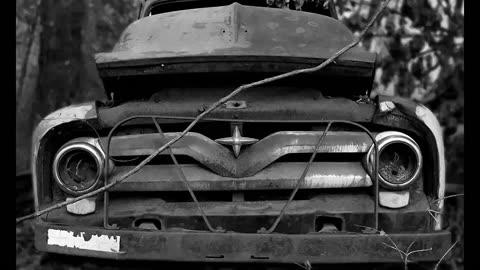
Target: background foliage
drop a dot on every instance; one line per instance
(420, 47)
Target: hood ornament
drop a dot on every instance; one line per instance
(236, 141)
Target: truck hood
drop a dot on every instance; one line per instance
(233, 30)
(190, 48)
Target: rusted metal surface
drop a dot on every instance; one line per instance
(185, 181)
(79, 112)
(423, 219)
(252, 160)
(276, 176)
(431, 121)
(249, 216)
(340, 79)
(425, 122)
(301, 179)
(291, 197)
(237, 247)
(176, 42)
(234, 30)
(260, 108)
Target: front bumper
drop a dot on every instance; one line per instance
(194, 246)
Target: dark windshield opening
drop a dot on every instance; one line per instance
(163, 6)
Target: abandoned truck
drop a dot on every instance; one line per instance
(306, 168)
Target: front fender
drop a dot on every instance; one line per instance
(79, 112)
(431, 126)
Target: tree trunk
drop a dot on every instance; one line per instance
(28, 31)
(55, 66)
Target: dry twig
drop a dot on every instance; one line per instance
(221, 101)
(441, 259)
(403, 254)
(450, 196)
(432, 212)
(306, 265)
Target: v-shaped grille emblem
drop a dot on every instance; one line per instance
(236, 141)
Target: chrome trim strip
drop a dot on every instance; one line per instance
(275, 176)
(431, 121)
(252, 160)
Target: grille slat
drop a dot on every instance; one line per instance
(275, 177)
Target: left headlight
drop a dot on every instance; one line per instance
(400, 160)
(78, 167)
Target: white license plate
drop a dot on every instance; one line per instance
(82, 240)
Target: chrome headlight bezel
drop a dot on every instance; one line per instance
(91, 149)
(385, 139)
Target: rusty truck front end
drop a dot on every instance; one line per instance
(284, 172)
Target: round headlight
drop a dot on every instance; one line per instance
(400, 160)
(78, 167)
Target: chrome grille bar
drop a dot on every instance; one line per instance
(153, 178)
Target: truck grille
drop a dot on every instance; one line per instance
(275, 162)
(262, 176)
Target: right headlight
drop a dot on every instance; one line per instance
(400, 160)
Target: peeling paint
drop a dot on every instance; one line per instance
(420, 111)
(64, 115)
(82, 240)
(292, 18)
(300, 30)
(178, 245)
(386, 106)
(272, 25)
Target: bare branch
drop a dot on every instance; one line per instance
(450, 196)
(411, 244)
(441, 259)
(397, 249)
(388, 237)
(430, 211)
(432, 215)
